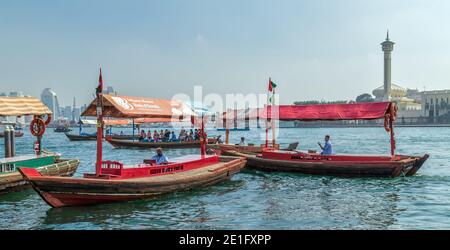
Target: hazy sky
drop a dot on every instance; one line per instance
(312, 49)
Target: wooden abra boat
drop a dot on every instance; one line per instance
(82, 137)
(121, 183)
(113, 181)
(93, 137)
(117, 143)
(44, 163)
(48, 164)
(336, 165)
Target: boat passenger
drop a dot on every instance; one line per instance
(161, 135)
(327, 149)
(196, 136)
(173, 137)
(160, 158)
(219, 140)
(242, 143)
(155, 136)
(121, 132)
(167, 135)
(142, 136)
(149, 136)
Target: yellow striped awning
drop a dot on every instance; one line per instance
(18, 106)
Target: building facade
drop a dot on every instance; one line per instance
(436, 106)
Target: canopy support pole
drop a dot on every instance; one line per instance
(203, 138)
(391, 126)
(227, 136)
(98, 165)
(132, 125)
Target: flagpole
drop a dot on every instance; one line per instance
(273, 122)
(99, 111)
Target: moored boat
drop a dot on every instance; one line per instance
(114, 181)
(44, 162)
(121, 183)
(81, 137)
(336, 165)
(93, 137)
(118, 143)
(47, 164)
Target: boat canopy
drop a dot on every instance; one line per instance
(19, 106)
(350, 111)
(139, 107)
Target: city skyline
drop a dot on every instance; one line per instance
(164, 48)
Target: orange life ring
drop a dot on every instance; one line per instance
(37, 127)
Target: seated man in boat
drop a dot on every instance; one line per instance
(142, 136)
(160, 158)
(196, 136)
(173, 137)
(242, 143)
(155, 136)
(149, 136)
(327, 149)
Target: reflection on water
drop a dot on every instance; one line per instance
(258, 200)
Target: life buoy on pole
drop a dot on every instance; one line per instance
(49, 119)
(37, 127)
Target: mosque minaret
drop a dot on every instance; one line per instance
(390, 91)
(388, 47)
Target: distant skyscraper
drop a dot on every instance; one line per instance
(49, 98)
(109, 90)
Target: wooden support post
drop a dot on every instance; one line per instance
(227, 136)
(391, 126)
(98, 165)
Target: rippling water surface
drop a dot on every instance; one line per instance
(257, 200)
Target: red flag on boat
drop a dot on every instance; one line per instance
(100, 83)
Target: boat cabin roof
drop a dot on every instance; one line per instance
(348, 111)
(140, 107)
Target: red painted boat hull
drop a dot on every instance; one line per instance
(63, 192)
(343, 166)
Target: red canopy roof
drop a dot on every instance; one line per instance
(351, 111)
(139, 107)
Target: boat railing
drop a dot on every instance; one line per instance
(112, 167)
(7, 167)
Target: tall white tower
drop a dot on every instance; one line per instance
(388, 47)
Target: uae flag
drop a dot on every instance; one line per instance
(272, 85)
(100, 84)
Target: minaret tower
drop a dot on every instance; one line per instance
(388, 47)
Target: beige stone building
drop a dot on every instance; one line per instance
(436, 105)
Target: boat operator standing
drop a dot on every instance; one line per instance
(327, 149)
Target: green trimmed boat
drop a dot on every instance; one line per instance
(47, 164)
(44, 162)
